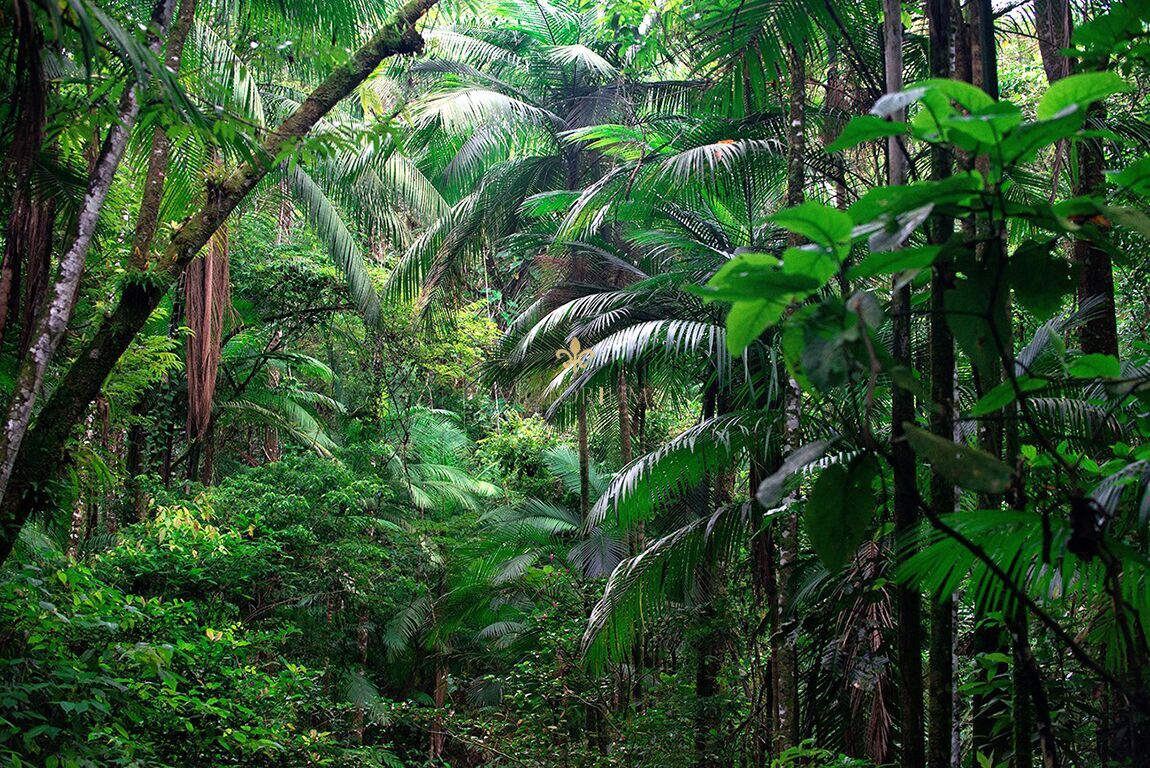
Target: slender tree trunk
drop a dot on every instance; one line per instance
(22, 461)
(709, 652)
(624, 396)
(634, 539)
(25, 233)
(765, 613)
(438, 734)
(1096, 273)
(988, 736)
(783, 644)
(207, 474)
(1054, 23)
(148, 218)
(765, 598)
(709, 661)
(908, 605)
(584, 460)
(783, 649)
(272, 448)
(37, 272)
(362, 635)
(940, 706)
(1029, 678)
(137, 502)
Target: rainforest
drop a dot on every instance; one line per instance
(575, 383)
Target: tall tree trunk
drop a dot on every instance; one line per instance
(21, 460)
(783, 651)
(1096, 273)
(1054, 23)
(584, 459)
(438, 734)
(207, 290)
(765, 595)
(136, 501)
(989, 712)
(26, 222)
(634, 542)
(38, 270)
(708, 663)
(148, 218)
(940, 700)
(908, 607)
(624, 396)
(362, 635)
(207, 474)
(708, 646)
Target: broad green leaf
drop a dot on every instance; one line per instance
(866, 128)
(817, 222)
(1095, 367)
(748, 319)
(1041, 279)
(770, 491)
(827, 345)
(815, 262)
(977, 316)
(962, 465)
(898, 228)
(893, 262)
(893, 103)
(1004, 394)
(840, 509)
(887, 201)
(1130, 218)
(1134, 177)
(753, 284)
(1079, 90)
(986, 127)
(1024, 142)
(964, 94)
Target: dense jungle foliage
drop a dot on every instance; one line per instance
(575, 383)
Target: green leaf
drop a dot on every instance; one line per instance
(1023, 144)
(1040, 278)
(1004, 394)
(840, 509)
(1134, 177)
(1130, 218)
(1095, 367)
(813, 262)
(750, 284)
(817, 222)
(986, 127)
(977, 315)
(1080, 91)
(887, 201)
(970, 97)
(748, 319)
(866, 128)
(893, 262)
(962, 465)
(770, 491)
